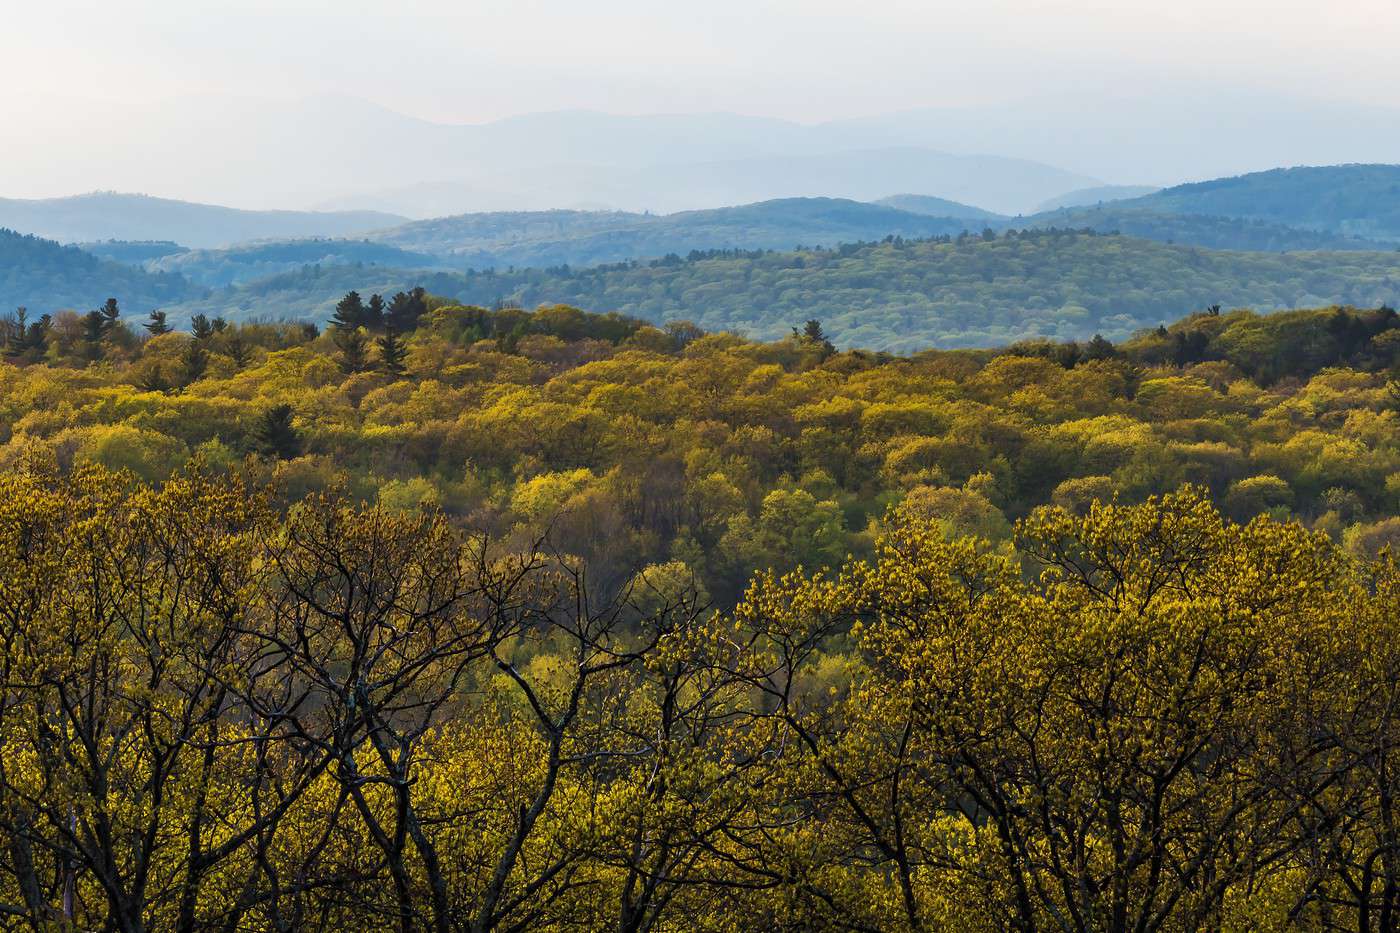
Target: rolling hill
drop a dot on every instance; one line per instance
(233, 266)
(937, 207)
(900, 295)
(552, 238)
(861, 174)
(108, 215)
(44, 277)
(1355, 200)
(1211, 232)
(1087, 197)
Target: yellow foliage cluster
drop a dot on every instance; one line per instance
(664, 449)
(221, 715)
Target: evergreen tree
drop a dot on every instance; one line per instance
(391, 353)
(812, 333)
(1099, 349)
(157, 325)
(38, 336)
(237, 348)
(374, 312)
(111, 314)
(219, 325)
(349, 312)
(94, 329)
(406, 308)
(16, 342)
(353, 348)
(201, 328)
(275, 434)
(193, 362)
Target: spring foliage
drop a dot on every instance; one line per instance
(222, 715)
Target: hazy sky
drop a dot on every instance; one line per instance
(182, 98)
(808, 60)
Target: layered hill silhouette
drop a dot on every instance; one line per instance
(110, 215)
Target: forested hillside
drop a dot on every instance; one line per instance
(727, 454)
(1356, 200)
(239, 264)
(1096, 196)
(554, 238)
(897, 295)
(1208, 231)
(938, 207)
(45, 277)
(131, 252)
(471, 620)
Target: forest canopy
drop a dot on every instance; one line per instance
(450, 618)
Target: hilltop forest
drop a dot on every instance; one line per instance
(897, 295)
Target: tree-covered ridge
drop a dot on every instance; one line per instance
(1355, 200)
(575, 238)
(938, 207)
(131, 252)
(44, 277)
(900, 295)
(639, 445)
(1210, 232)
(239, 264)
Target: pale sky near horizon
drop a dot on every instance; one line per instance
(182, 98)
(805, 60)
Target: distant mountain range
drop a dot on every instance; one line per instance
(1335, 222)
(483, 241)
(550, 238)
(865, 174)
(339, 153)
(108, 215)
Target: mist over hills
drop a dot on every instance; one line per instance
(1001, 184)
(338, 151)
(110, 215)
(1089, 197)
(334, 152)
